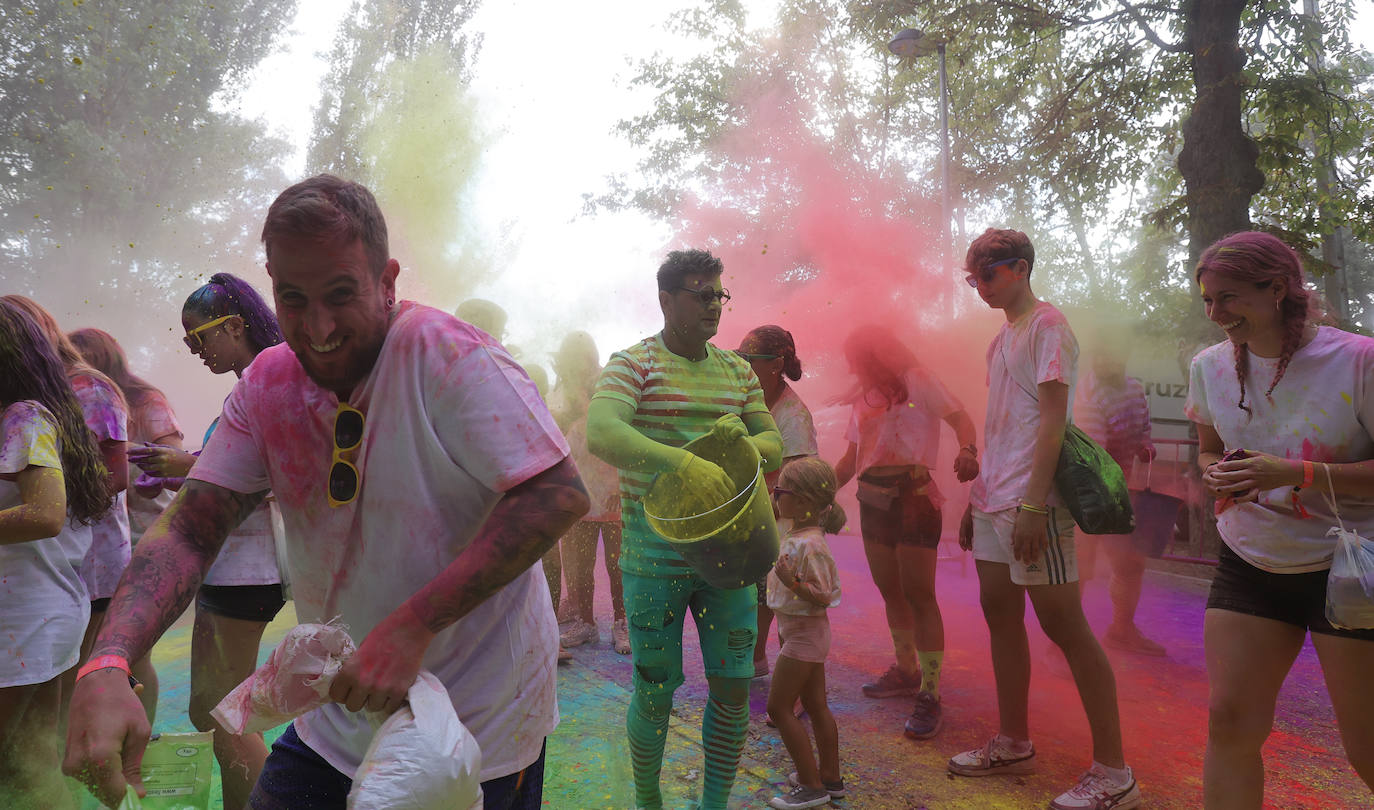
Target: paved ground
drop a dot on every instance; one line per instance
(1163, 705)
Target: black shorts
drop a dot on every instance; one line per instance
(251, 603)
(910, 519)
(100, 605)
(1296, 599)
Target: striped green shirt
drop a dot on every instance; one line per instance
(675, 400)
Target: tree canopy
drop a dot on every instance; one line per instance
(121, 169)
(1109, 130)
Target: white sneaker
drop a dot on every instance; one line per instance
(620, 637)
(1098, 791)
(800, 798)
(995, 757)
(578, 634)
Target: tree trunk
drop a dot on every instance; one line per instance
(1218, 158)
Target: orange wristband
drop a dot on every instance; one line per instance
(118, 662)
(1307, 472)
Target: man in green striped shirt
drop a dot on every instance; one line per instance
(652, 399)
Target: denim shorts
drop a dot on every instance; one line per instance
(296, 778)
(911, 519)
(1296, 599)
(726, 620)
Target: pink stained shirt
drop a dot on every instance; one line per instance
(107, 416)
(1322, 410)
(452, 423)
(1038, 347)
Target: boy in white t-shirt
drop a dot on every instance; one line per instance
(1022, 539)
(420, 478)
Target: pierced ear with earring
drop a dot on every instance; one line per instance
(390, 302)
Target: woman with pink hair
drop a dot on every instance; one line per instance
(1285, 418)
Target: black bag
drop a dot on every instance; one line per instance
(1092, 486)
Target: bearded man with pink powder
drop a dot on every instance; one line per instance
(420, 478)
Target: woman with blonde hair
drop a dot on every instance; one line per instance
(802, 587)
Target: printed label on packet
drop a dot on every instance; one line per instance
(170, 780)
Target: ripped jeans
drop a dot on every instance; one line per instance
(726, 623)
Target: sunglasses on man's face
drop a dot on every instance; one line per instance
(986, 273)
(344, 478)
(756, 357)
(781, 491)
(194, 341)
(708, 295)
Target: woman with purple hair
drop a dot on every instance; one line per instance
(227, 325)
(52, 487)
(1285, 418)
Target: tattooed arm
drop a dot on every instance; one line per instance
(525, 523)
(108, 730)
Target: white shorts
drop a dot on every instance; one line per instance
(1058, 563)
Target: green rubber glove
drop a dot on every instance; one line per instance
(729, 427)
(705, 480)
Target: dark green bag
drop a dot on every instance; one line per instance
(1092, 486)
(1089, 481)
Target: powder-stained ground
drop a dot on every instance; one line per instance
(1163, 707)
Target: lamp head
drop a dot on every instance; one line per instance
(913, 42)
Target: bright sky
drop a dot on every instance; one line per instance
(552, 79)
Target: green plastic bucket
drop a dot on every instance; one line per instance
(731, 544)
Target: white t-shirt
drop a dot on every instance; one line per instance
(249, 553)
(108, 418)
(1322, 410)
(43, 603)
(452, 423)
(813, 563)
(902, 434)
(1038, 347)
(794, 422)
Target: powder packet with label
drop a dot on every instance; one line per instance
(176, 773)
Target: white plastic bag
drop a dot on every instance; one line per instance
(1350, 584)
(294, 680)
(422, 757)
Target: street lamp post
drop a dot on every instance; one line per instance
(915, 43)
